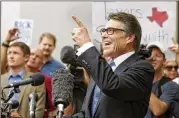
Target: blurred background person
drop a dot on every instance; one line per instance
(163, 90)
(34, 63)
(47, 43)
(175, 49)
(11, 36)
(17, 56)
(170, 69)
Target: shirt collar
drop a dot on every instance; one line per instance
(50, 60)
(123, 57)
(21, 74)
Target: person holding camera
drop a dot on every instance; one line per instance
(164, 91)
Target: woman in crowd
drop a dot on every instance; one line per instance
(170, 69)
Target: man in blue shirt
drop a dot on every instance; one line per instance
(47, 44)
(15, 78)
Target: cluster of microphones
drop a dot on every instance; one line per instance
(7, 104)
(62, 85)
(62, 88)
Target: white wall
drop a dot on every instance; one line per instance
(10, 11)
(54, 17)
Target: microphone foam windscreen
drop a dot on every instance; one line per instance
(62, 86)
(67, 55)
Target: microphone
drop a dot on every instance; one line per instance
(35, 80)
(68, 56)
(62, 89)
(32, 104)
(12, 103)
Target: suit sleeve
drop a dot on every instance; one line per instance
(40, 107)
(78, 115)
(81, 114)
(133, 84)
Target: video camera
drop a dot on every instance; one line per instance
(144, 52)
(68, 56)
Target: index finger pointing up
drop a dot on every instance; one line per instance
(79, 23)
(173, 40)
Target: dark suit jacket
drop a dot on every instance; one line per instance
(125, 92)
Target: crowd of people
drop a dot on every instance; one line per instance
(119, 82)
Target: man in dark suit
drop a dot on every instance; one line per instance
(120, 89)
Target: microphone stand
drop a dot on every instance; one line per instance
(60, 110)
(32, 104)
(5, 113)
(8, 112)
(32, 114)
(61, 105)
(12, 92)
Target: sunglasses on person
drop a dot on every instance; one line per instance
(171, 67)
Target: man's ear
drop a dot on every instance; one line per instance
(27, 58)
(130, 38)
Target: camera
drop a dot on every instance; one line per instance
(77, 71)
(144, 52)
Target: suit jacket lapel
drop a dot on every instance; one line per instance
(23, 88)
(89, 95)
(119, 69)
(98, 103)
(124, 65)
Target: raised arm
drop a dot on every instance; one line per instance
(175, 49)
(11, 36)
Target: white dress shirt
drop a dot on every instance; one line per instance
(117, 60)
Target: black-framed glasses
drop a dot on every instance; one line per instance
(110, 31)
(171, 67)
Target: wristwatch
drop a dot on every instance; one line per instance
(5, 45)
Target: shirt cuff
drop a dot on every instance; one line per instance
(84, 48)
